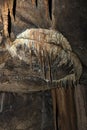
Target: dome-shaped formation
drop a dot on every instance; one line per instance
(48, 57)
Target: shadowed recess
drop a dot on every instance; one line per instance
(9, 23)
(14, 8)
(50, 8)
(36, 2)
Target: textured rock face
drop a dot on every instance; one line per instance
(8, 15)
(48, 57)
(38, 57)
(27, 112)
(69, 17)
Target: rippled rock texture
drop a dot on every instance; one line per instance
(69, 17)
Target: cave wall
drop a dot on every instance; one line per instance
(67, 16)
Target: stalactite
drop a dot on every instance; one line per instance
(5, 19)
(48, 8)
(2, 101)
(34, 2)
(8, 15)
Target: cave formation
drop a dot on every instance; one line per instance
(28, 50)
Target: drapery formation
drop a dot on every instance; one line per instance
(43, 13)
(50, 63)
(48, 54)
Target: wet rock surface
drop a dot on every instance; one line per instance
(27, 111)
(70, 19)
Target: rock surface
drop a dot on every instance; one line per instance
(70, 18)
